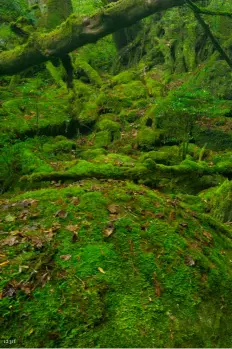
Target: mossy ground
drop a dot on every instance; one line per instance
(116, 263)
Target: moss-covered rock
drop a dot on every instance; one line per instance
(220, 202)
(111, 103)
(147, 138)
(126, 77)
(61, 146)
(102, 139)
(131, 263)
(88, 114)
(134, 90)
(91, 154)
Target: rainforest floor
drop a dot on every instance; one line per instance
(116, 212)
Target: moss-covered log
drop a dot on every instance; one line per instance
(148, 171)
(76, 32)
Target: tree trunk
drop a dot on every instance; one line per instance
(54, 12)
(77, 32)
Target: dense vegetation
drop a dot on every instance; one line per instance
(115, 172)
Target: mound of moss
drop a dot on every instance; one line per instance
(106, 264)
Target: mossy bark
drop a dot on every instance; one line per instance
(76, 32)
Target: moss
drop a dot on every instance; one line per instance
(150, 277)
(111, 126)
(65, 146)
(88, 114)
(158, 156)
(220, 202)
(110, 103)
(148, 138)
(134, 90)
(102, 139)
(92, 153)
(84, 71)
(126, 77)
(129, 115)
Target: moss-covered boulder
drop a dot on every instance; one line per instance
(102, 139)
(111, 126)
(147, 138)
(106, 264)
(220, 201)
(88, 114)
(134, 90)
(111, 103)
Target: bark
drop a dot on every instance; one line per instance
(209, 33)
(77, 32)
(54, 12)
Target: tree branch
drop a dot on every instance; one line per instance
(206, 27)
(77, 32)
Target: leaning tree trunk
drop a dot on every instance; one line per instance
(123, 37)
(54, 12)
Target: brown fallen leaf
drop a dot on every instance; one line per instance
(189, 261)
(101, 270)
(66, 257)
(112, 208)
(109, 229)
(207, 235)
(11, 241)
(72, 228)
(75, 201)
(61, 214)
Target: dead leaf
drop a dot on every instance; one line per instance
(23, 215)
(66, 257)
(36, 241)
(75, 201)
(26, 289)
(101, 270)
(9, 291)
(10, 218)
(74, 237)
(72, 228)
(207, 235)
(4, 263)
(109, 229)
(11, 241)
(61, 214)
(184, 225)
(112, 209)
(189, 261)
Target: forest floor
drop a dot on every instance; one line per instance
(116, 211)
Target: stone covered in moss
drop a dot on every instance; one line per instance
(130, 263)
(126, 77)
(147, 138)
(102, 139)
(134, 90)
(111, 103)
(220, 202)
